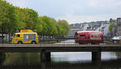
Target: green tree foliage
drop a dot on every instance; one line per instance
(50, 25)
(39, 26)
(8, 17)
(14, 18)
(12, 24)
(20, 15)
(60, 30)
(64, 24)
(31, 18)
(3, 14)
(111, 27)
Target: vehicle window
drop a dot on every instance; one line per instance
(29, 36)
(18, 35)
(76, 35)
(119, 37)
(82, 36)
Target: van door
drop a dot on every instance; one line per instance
(26, 38)
(76, 38)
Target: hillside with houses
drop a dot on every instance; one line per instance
(102, 26)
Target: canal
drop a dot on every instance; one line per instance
(62, 60)
(81, 56)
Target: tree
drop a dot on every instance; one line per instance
(14, 18)
(39, 26)
(12, 24)
(3, 13)
(49, 26)
(110, 28)
(31, 18)
(20, 15)
(8, 17)
(60, 30)
(66, 27)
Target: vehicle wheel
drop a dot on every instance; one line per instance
(93, 43)
(80, 43)
(98, 43)
(19, 42)
(33, 42)
(114, 42)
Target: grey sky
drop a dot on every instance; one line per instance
(74, 11)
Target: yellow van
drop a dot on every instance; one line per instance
(25, 37)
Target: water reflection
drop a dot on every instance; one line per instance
(67, 42)
(71, 56)
(108, 55)
(63, 60)
(80, 56)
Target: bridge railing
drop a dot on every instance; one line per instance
(44, 39)
(6, 38)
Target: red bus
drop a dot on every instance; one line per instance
(84, 37)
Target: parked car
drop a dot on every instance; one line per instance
(116, 39)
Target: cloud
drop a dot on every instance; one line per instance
(80, 19)
(74, 11)
(105, 3)
(20, 3)
(93, 10)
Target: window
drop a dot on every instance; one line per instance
(18, 35)
(82, 36)
(29, 36)
(76, 36)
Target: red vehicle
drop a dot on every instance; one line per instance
(84, 37)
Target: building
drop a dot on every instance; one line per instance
(72, 32)
(118, 26)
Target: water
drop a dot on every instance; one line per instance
(71, 56)
(63, 60)
(67, 42)
(79, 56)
